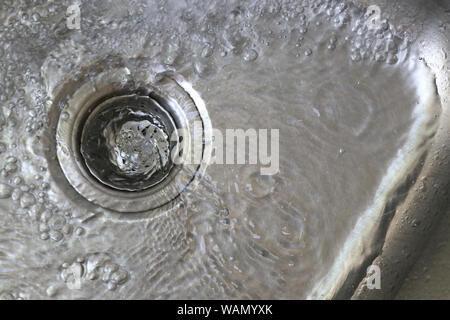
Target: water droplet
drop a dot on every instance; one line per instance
(55, 235)
(57, 222)
(17, 180)
(65, 115)
(250, 55)
(17, 193)
(27, 200)
(79, 231)
(5, 191)
(52, 291)
(44, 236)
(207, 51)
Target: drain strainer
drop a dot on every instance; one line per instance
(133, 149)
(126, 142)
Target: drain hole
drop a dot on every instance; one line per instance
(126, 143)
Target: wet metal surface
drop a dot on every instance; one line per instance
(356, 101)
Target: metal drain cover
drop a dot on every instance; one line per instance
(133, 149)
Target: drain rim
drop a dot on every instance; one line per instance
(165, 194)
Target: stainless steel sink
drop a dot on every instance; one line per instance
(428, 199)
(348, 102)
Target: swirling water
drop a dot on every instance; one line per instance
(355, 108)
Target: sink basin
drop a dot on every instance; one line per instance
(312, 147)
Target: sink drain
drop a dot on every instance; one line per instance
(126, 142)
(120, 147)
